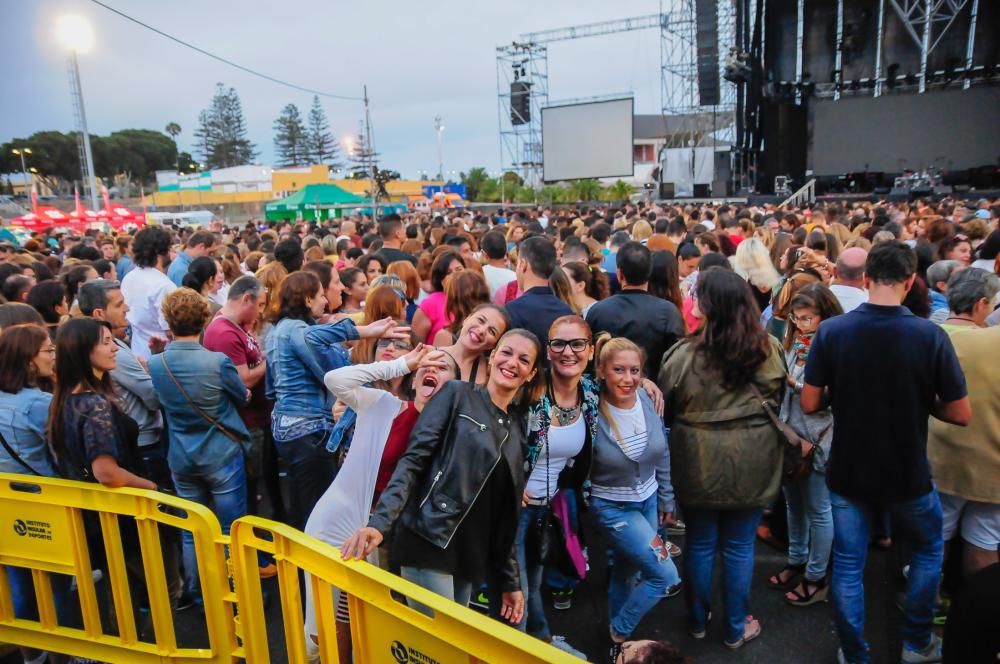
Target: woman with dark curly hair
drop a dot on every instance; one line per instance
(725, 454)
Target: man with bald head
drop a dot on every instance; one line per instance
(849, 278)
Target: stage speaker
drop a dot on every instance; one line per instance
(785, 133)
(702, 191)
(666, 190)
(520, 102)
(707, 43)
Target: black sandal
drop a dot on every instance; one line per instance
(790, 581)
(814, 591)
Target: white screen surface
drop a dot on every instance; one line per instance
(592, 140)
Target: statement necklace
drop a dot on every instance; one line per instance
(565, 416)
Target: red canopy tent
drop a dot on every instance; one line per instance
(42, 218)
(120, 216)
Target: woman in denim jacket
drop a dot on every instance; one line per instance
(302, 418)
(27, 358)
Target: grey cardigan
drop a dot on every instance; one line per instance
(612, 468)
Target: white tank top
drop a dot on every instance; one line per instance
(564, 444)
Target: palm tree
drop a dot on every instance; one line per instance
(174, 129)
(586, 190)
(620, 191)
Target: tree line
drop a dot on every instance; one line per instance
(480, 187)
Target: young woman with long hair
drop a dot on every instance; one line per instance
(355, 290)
(589, 285)
(380, 302)
(385, 420)
(302, 419)
(630, 483)
(810, 516)
(406, 271)
(476, 338)
(463, 292)
(431, 314)
(726, 454)
(664, 282)
(455, 497)
(27, 362)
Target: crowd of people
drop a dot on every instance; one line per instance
(476, 400)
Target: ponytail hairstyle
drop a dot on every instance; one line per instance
(605, 348)
(562, 288)
(594, 280)
(534, 389)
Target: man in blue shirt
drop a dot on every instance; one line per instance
(538, 306)
(884, 372)
(199, 244)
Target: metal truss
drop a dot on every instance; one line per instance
(920, 17)
(594, 29)
(521, 144)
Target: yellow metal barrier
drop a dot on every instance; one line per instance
(42, 529)
(383, 629)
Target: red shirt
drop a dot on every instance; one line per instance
(224, 336)
(395, 446)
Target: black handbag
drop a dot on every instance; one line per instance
(797, 452)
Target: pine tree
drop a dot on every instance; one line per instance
(322, 146)
(221, 137)
(291, 143)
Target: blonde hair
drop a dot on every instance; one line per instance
(753, 258)
(641, 230)
(606, 347)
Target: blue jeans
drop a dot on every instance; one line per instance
(810, 524)
(554, 578)
(706, 530)
(225, 492)
(639, 550)
(438, 583)
(920, 519)
(534, 621)
(22, 594)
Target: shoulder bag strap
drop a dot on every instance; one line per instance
(17, 457)
(766, 406)
(205, 416)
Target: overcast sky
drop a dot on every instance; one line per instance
(419, 59)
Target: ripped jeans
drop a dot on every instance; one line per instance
(639, 552)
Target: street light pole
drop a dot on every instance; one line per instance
(24, 170)
(439, 128)
(76, 36)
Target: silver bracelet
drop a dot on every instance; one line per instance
(799, 387)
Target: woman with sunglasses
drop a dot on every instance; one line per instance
(476, 338)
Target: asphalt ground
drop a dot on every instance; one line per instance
(793, 635)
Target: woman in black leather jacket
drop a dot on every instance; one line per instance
(455, 497)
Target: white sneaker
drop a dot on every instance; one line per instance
(561, 643)
(931, 653)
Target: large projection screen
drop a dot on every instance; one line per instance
(592, 140)
(949, 129)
